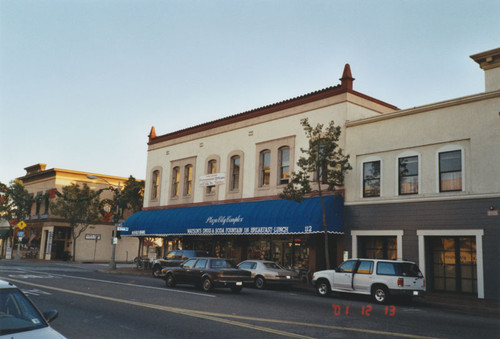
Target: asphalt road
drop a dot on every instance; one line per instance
(94, 304)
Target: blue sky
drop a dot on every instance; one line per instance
(82, 82)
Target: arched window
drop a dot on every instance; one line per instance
(175, 182)
(211, 169)
(155, 184)
(265, 168)
(284, 165)
(234, 183)
(188, 179)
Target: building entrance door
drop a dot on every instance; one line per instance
(454, 264)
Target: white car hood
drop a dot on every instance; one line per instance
(41, 333)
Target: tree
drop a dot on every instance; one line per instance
(132, 195)
(14, 203)
(323, 164)
(79, 207)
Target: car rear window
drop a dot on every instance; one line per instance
(221, 263)
(408, 270)
(399, 269)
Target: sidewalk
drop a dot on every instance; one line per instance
(449, 301)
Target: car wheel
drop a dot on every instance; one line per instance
(207, 285)
(156, 271)
(322, 288)
(170, 280)
(260, 282)
(236, 289)
(380, 294)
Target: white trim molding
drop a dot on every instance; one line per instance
(478, 233)
(373, 233)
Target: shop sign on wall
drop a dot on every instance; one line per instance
(213, 179)
(92, 237)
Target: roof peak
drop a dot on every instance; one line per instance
(347, 79)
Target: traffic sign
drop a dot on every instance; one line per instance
(21, 224)
(122, 229)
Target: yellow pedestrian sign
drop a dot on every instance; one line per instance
(21, 225)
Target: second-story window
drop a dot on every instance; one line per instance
(450, 171)
(155, 184)
(284, 165)
(188, 179)
(408, 175)
(371, 179)
(235, 173)
(175, 181)
(211, 169)
(265, 168)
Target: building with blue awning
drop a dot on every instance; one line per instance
(243, 218)
(215, 186)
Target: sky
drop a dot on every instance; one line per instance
(83, 81)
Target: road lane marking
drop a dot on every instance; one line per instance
(116, 283)
(226, 318)
(168, 309)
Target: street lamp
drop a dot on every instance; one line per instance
(112, 262)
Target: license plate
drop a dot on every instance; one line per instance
(239, 283)
(415, 292)
(288, 277)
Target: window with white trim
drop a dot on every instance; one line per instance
(450, 171)
(371, 179)
(408, 175)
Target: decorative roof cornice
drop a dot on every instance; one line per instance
(344, 87)
(487, 60)
(426, 108)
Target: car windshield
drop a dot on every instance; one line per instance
(17, 314)
(222, 263)
(408, 270)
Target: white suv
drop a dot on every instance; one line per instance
(376, 277)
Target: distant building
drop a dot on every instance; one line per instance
(48, 237)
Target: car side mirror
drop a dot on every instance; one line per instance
(50, 315)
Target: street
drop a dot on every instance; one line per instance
(102, 305)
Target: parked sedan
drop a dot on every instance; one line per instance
(175, 258)
(268, 272)
(19, 318)
(207, 273)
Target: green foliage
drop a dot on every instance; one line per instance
(14, 201)
(322, 163)
(325, 162)
(132, 195)
(79, 207)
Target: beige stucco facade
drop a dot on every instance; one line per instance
(48, 235)
(466, 123)
(247, 137)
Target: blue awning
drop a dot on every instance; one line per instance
(243, 218)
